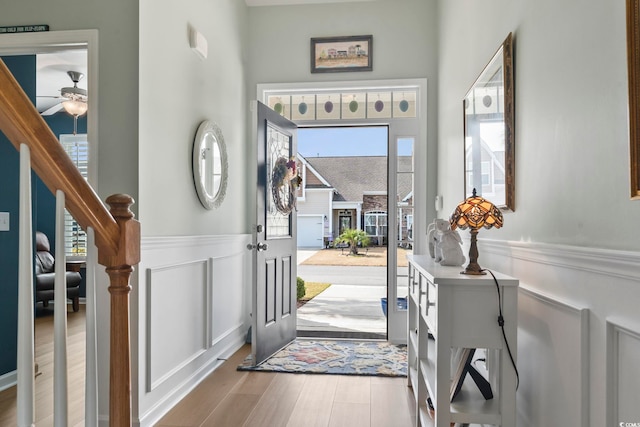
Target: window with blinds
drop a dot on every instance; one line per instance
(77, 147)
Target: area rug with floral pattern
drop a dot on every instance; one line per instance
(377, 358)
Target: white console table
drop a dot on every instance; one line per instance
(452, 310)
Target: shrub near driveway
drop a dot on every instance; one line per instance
(376, 256)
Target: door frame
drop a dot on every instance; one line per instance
(398, 128)
(52, 41)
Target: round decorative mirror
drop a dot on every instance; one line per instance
(210, 168)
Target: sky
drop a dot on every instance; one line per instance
(344, 141)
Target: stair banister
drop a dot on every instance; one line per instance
(117, 233)
(21, 123)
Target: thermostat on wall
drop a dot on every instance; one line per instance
(198, 43)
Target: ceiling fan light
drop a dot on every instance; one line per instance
(75, 108)
(74, 93)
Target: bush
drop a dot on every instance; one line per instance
(301, 290)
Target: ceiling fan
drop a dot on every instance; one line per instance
(72, 99)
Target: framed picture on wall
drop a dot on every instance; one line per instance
(341, 54)
(633, 65)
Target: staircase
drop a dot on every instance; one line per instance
(116, 234)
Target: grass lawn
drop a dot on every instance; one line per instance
(374, 256)
(312, 289)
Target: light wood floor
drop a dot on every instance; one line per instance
(44, 382)
(230, 398)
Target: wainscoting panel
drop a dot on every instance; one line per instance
(623, 376)
(603, 281)
(176, 318)
(189, 312)
(553, 354)
(229, 307)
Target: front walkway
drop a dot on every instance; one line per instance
(350, 307)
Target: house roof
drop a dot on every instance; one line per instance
(354, 176)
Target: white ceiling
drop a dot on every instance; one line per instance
(291, 2)
(51, 75)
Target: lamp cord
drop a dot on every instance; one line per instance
(501, 323)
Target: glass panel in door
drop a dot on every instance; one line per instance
(281, 198)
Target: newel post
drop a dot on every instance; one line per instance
(119, 268)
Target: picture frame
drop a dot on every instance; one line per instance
(489, 131)
(633, 67)
(464, 362)
(341, 54)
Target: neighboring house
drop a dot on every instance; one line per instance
(350, 192)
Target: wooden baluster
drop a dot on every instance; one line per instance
(119, 268)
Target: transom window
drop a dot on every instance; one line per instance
(358, 104)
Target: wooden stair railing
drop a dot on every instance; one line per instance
(117, 233)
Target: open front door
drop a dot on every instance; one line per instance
(274, 240)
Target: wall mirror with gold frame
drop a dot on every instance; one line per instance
(489, 139)
(633, 59)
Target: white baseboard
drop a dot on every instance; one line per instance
(163, 407)
(8, 380)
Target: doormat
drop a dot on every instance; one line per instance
(375, 358)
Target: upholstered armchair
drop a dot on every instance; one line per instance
(45, 276)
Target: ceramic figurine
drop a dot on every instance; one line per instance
(448, 244)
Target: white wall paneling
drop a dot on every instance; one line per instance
(228, 304)
(563, 281)
(553, 338)
(177, 320)
(192, 312)
(623, 376)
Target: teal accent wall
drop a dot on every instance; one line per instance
(24, 69)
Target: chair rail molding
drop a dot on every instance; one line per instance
(607, 262)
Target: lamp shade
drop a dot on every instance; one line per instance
(75, 108)
(476, 212)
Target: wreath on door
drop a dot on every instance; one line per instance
(284, 184)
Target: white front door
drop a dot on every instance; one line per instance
(274, 239)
